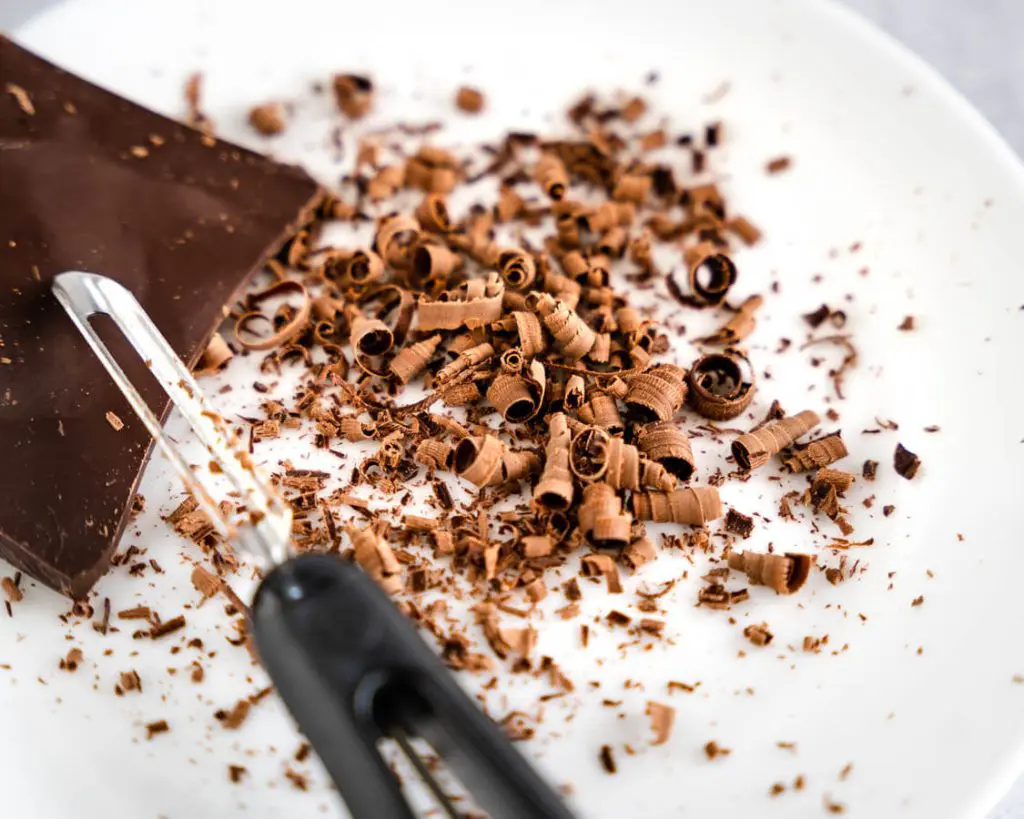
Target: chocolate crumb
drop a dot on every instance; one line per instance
(907, 325)
(268, 119)
(115, 422)
(607, 760)
(869, 470)
(759, 635)
(158, 727)
(778, 165)
(236, 773)
(713, 750)
(905, 462)
(469, 100)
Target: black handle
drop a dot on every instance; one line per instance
(351, 668)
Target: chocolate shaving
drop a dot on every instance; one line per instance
(693, 505)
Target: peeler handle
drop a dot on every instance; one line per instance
(352, 669)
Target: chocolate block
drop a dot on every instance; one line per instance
(90, 181)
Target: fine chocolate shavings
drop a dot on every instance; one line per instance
(158, 727)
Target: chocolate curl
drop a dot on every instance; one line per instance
(432, 264)
(665, 443)
(551, 175)
(712, 273)
(510, 204)
(575, 392)
(609, 215)
(352, 429)
(467, 358)
(477, 301)
(818, 453)
(617, 388)
(721, 385)
(449, 426)
(563, 288)
(413, 359)
(604, 566)
(596, 455)
(433, 170)
(785, 573)
(434, 454)
(575, 265)
(835, 477)
(613, 243)
(461, 395)
(386, 183)
(628, 319)
(632, 188)
(657, 394)
(602, 518)
(487, 461)
(369, 337)
(215, 356)
(353, 94)
(753, 449)
(376, 558)
(601, 352)
(432, 214)
(602, 411)
(571, 333)
(640, 552)
(288, 330)
(516, 395)
(738, 327)
(555, 489)
(695, 505)
(517, 267)
(357, 269)
(478, 245)
(531, 336)
(639, 251)
(537, 546)
(396, 240)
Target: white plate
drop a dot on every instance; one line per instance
(885, 156)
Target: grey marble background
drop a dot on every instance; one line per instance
(978, 45)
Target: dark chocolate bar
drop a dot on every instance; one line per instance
(90, 181)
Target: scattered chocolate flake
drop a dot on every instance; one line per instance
(11, 590)
(128, 681)
(869, 470)
(907, 325)
(21, 97)
(778, 165)
(115, 422)
(233, 718)
(759, 635)
(158, 727)
(236, 773)
(739, 524)
(917, 601)
(662, 717)
(72, 660)
(832, 806)
(905, 462)
(713, 750)
(607, 760)
(167, 627)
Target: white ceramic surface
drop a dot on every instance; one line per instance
(885, 156)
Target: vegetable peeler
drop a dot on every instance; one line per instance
(350, 667)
